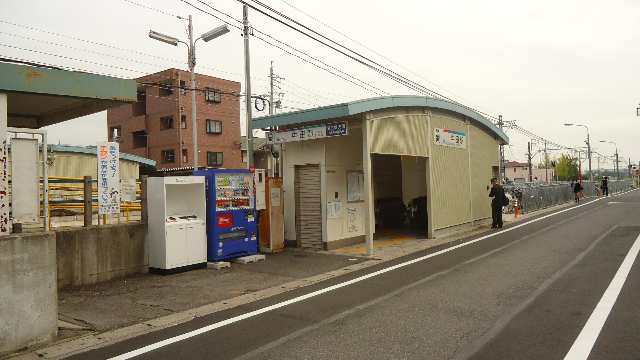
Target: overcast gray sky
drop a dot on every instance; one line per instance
(541, 63)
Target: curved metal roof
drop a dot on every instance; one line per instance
(372, 104)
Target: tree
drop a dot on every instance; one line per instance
(546, 163)
(567, 168)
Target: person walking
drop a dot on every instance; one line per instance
(498, 201)
(605, 186)
(577, 189)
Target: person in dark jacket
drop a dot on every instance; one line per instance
(577, 189)
(605, 186)
(497, 193)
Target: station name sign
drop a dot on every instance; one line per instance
(451, 138)
(308, 133)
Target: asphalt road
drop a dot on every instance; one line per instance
(524, 293)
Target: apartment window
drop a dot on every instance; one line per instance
(214, 126)
(214, 158)
(213, 95)
(115, 130)
(139, 139)
(183, 121)
(168, 156)
(141, 95)
(183, 87)
(185, 156)
(165, 88)
(166, 122)
(140, 107)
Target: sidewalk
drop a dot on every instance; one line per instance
(98, 315)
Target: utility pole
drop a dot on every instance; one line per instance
(546, 163)
(271, 107)
(247, 78)
(629, 167)
(617, 165)
(589, 154)
(529, 161)
(191, 63)
(501, 170)
(194, 121)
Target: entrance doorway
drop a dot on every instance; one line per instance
(400, 196)
(308, 206)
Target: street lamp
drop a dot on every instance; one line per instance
(191, 62)
(588, 147)
(616, 155)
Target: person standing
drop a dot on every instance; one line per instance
(497, 193)
(577, 189)
(605, 186)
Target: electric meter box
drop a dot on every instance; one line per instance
(260, 181)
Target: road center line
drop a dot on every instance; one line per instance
(585, 341)
(202, 330)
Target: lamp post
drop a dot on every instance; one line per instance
(588, 147)
(191, 62)
(617, 168)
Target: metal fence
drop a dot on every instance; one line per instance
(67, 206)
(531, 197)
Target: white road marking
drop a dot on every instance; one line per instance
(235, 319)
(583, 345)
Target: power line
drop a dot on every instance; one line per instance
(160, 11)
(358, 57)
(334, 68)
(368, 48)
(347, 77)
(110, 46)
(70, 58)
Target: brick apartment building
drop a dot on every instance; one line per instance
(158, 126)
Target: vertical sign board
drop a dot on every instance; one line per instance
(25, 181)
(5, 223)
(128, 189)
(108, 178)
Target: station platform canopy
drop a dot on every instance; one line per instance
(42, 96)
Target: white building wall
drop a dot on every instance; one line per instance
(336, 157)
(297, 153)
(522, 174)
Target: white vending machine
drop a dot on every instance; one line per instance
(176, 229)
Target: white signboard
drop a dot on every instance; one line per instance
(448, 137)
(308, 133)
(25, 182)
(355, 186)
(108, 178)
(128, 190)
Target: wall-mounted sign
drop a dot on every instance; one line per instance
(308, 133)
(448, 137)
(108, 178)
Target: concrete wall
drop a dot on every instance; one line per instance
(28, 293)
(90, 255)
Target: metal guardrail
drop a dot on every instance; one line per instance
(533, 197)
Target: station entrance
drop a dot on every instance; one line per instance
(400, 196)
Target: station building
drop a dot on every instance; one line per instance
(383, 167)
